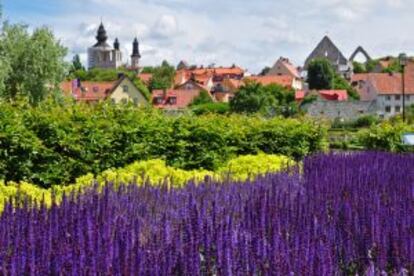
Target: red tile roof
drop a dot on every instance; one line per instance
(299, 95)
(89, 91)
(145, 77)
(292, 69)
(183, 98)
(334, 95)
(285, 81)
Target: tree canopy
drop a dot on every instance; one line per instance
(268, 100)
(162, 76)
(321, 74)
(31, 63)
(203, 98)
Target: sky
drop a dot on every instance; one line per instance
(250, 33)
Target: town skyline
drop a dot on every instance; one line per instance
(171, 31)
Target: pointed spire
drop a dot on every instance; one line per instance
(135, 48)
(101, 36)
(116, 44)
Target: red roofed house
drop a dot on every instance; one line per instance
(145, 77)
(326, 95)
(386, 90)
(285, 81)
(174, 99)
(121, 91)
(283, 67)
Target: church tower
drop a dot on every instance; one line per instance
(101, 55)
(135, 57)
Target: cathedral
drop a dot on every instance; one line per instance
(102, 55)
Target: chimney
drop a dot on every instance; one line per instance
(120, 75)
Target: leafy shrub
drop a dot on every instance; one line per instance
(385, 136)
(217, 108)
(55, 144)
(154, 172)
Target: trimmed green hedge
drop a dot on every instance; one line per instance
(55, 143)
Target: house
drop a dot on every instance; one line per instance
(284, 80)
(283, 67)
(218, 73)
(197, 83)
(386, 90)
(125, 91)
(174, 99)
(327, 49)
(224, 91)
(145, 77)
(121, 91)
(324, 95)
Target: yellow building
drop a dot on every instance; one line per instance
(125, 91)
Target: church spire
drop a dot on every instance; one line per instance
(116, 44)
(135, 49)
(101, 36)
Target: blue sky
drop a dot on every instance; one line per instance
(252, 34)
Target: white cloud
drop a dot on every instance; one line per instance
(249, 33)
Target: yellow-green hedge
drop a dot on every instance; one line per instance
(155, 172)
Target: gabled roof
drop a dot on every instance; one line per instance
(327, 49)
(89, 91)
(334, 95)
(288, 65)
(285, 81)
(183, 98)
(145, 77)
(386, 83)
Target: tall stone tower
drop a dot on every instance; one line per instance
(135, 57)
(101, 55)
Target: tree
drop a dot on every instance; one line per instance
(77, 64)
(162, 76)
(340, 83)
(359, 67)
(31, 64)
(265, 71)
(268, 100)
(203, 98)
(320, 74)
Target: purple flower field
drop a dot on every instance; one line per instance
(344, 215)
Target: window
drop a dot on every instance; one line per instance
(158, 100)
(124, 101)
(95, 89)
(398, 109)
(172, 100)
(388, 109)
(388, 98)
(136, 101)
(125, 88)
(397, 97)
(407, 97)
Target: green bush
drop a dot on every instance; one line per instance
(217, 108)
(53, 144)
(385, 136)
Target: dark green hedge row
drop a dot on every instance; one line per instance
(54, 144)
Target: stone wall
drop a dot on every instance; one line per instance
(344, 110)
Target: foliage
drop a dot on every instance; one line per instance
(269, 100)
(77, 64)
(346, 214)
(340, 83)
(31, 64)
(203, 98)
(56, 143)
(153, 172)
(217, 108)
(359, 67)
(385, 136)
(162, 76)
(264, 71)
(394, 67)
(360, 122)
(321, 74)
